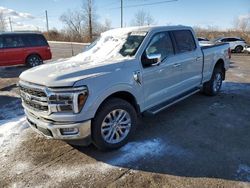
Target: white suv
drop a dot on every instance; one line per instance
(237, 44)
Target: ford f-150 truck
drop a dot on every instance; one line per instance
(99, 94)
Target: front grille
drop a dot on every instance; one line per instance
(34, 92)
(35, 106)
(34, 97)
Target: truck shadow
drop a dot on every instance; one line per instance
(12, 71)
(198, 137)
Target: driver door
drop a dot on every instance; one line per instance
(160, 80)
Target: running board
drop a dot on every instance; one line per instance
(154, 110)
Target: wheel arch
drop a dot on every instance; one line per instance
(221, 64)
(125, 95)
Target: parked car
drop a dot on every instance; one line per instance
(17, 48)
(247, 49)
(99, 94)
(202, 39)
(237, 44)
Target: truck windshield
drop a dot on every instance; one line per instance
(113, 45)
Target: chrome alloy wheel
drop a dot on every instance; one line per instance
(34, 61)
(116, 126)
(217, 82)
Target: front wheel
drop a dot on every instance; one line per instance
(114, 124)
(213, 86)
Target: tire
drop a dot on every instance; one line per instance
(34, 60)
(213, 86)
(238, 49)
(106, 125)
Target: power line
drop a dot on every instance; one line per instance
(145, 4)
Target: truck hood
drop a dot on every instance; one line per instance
(64, 73)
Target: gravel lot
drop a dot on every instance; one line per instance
(199, 142)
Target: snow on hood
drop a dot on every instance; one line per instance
(101, 57)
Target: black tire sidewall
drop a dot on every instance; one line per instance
(216, 71)
(108, 106)
(32, 56)
(238, 49)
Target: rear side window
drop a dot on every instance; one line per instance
(184, 41)
(35, 40)
(13, 41)
(225, 40)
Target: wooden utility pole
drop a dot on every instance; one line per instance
(90, 20)
(47, 22)
(121, 13)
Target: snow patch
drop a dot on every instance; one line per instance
(243, 172)
(9, 129)
(11, 110)
(135, 151)
(217, 105)
(21, 167)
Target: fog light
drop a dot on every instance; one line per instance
(69, 131)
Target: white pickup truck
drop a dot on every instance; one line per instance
(98, 95)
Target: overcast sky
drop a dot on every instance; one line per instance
(30, 14)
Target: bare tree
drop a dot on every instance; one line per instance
(143, 18)
(2, 22)
(242, 22)
(89, 17)
(82, 22)
(74, 23)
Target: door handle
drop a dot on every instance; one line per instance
(177, 65)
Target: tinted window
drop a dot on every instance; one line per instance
(1, 42)
(35, 40)
(184, 41)
(13, 41)
(225, 40)
(160, 44)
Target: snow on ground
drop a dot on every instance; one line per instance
(9, 131)
(11, 110)
(243, 172)
(135, 151)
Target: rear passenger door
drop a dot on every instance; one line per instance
(189, 58)
(13, 50)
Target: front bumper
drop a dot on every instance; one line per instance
(53, 130)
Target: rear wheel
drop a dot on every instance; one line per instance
(213, 86)
(114, 124)
(238, 49)
(34, 60)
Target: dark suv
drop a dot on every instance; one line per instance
(23, 48)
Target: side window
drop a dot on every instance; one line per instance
(160, 44)
(35, 40)
(1, 42)
(233, 39)
(225, 40)
(13, 42)
(184, 41)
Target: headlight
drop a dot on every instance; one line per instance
(67, 99)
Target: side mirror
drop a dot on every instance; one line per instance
(155, 59)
